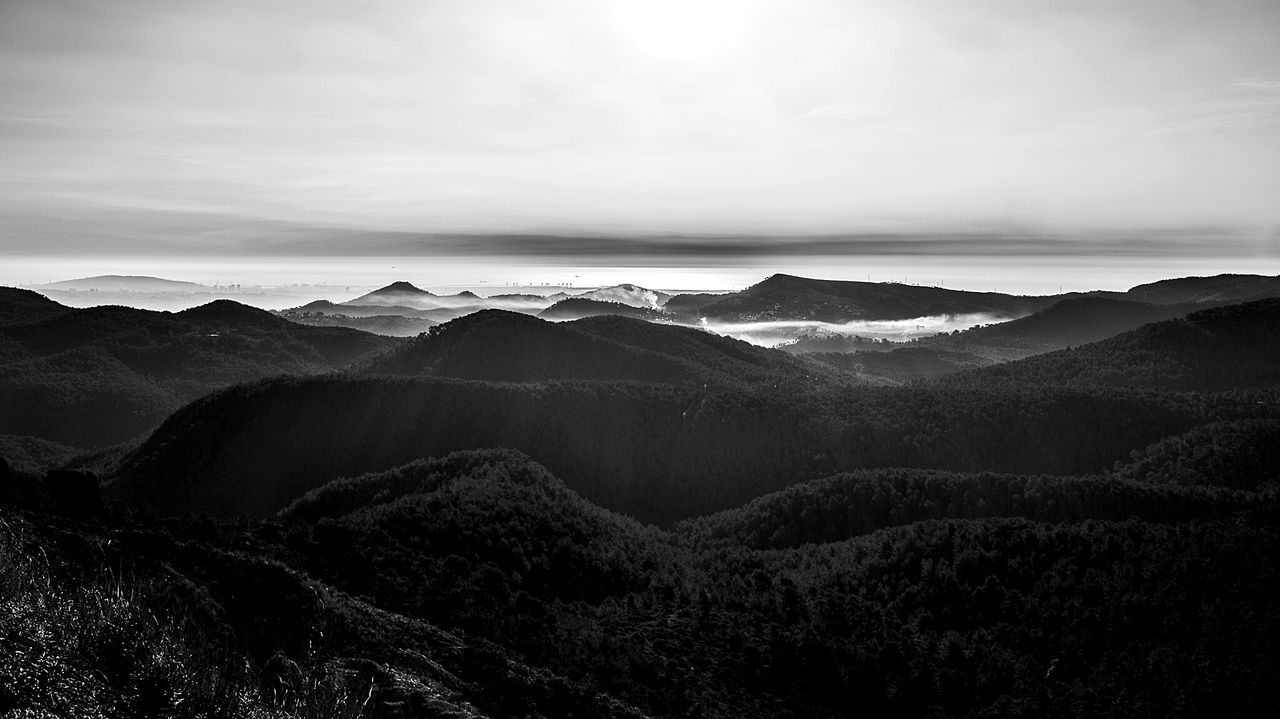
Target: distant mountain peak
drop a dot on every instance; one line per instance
(224, 310)
(400, 287)
(781, 279)
(628, 294)
(395, 293)
(125, 282)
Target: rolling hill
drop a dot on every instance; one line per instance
(1072, 321)
(656, 451)
(480, 577)
(390, 325)
(101, 375)
(898, 365)
(790, 297)
(19, 307)
(126, 283)
(506, 346)
(1221, 348)
(575, 308)
(455, 525)
(1218, 289)
(397, 293)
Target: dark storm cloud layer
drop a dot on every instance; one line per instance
(114, 232)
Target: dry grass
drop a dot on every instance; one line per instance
(94, 649)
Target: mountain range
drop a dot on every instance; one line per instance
(101, 375)
(621, 517)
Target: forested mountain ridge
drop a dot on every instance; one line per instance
(1241, 454)
(574, 308)
(19, 307)
(858, 503)
(1221, 348)
(506, 346)
(1072, 321)
(477, 584)
(1217, 289)
(899, 365)
(100, 375)
(658, 452)
(789, 297)
(618, 518)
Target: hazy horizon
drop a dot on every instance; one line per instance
(284, 282)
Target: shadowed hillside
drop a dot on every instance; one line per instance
(850, 505)
(658, 452)
(101, 375)
(575, 308)
(1217, 289)
(1076, 320)
(1215, 349)
(477, 584)
(20, 307)
(511, 347)
(1244, 454)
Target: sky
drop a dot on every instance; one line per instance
(174, 127)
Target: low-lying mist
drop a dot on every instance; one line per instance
(773, 333)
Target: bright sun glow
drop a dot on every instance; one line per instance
(684, 30)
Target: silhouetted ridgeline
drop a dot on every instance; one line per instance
(850, 505)
(101, 375)
(510, 347)
(1213, 349)
(1070, 322)
(19, 307)
(1218, 289)
(657, 452)
(1244, 454)
(789, 297)
(575, 308)
(457, 528)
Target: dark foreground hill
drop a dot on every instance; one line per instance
(1214, 349)
(1243, 454)
(899, 365)
(658, 452)
(18, 307)
(420, 545)
(477, 584)
(101, 375)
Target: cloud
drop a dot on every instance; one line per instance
(771, 334)
(1247, 105)
(1253, 83)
